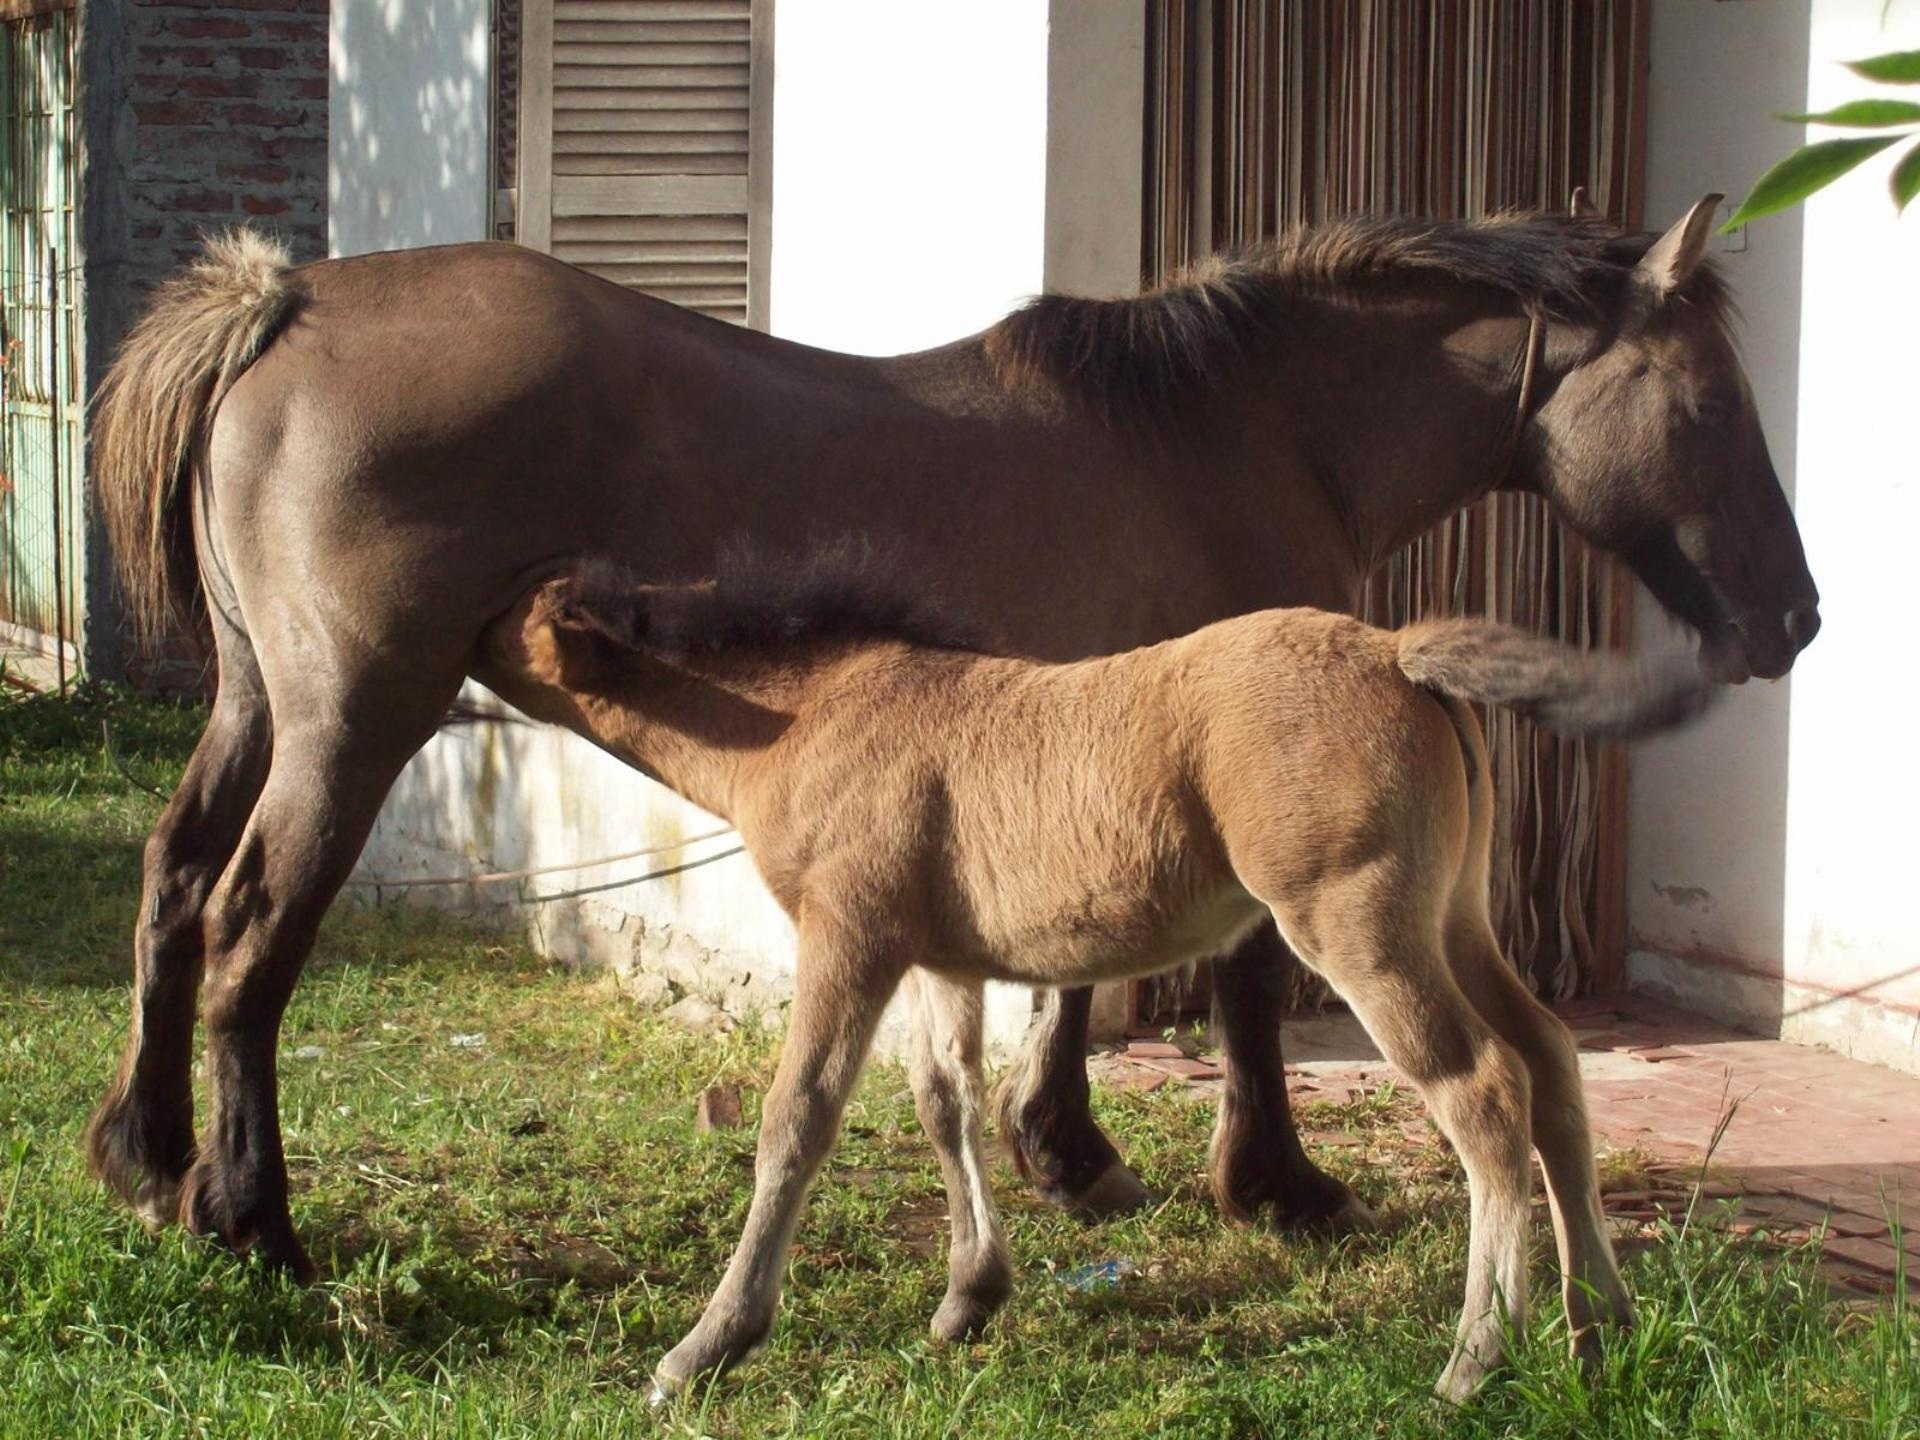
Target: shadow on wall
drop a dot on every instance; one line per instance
(409, 102)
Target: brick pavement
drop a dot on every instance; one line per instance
(1816, 1141)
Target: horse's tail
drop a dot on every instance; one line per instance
(204, 328)
(1568, 691)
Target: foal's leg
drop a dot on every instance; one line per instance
(334, 757)
(1399, 985)
(140, 1139)
(947, 1090)
(840, 988)
(1591, 1286)
(1260, 1169)
(1046, 1116)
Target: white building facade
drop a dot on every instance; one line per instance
(935, 163)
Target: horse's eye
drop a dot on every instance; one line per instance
(1711, 415)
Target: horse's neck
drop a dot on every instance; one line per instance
(1389, 410)
(1406, 411)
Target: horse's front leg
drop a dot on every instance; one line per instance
(1046, 1117)
(1261, 1172)
(840, 987)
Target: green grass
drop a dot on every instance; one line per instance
(511, 1235)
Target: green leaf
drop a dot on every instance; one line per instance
(1906, 179)
(1803, 172)
(1863, 114)
(1897, 67)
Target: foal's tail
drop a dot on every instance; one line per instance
(1571, 692)
(204, 328)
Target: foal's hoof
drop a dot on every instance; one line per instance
(262, 1231)
(1474, 1360)
(1115, 1191)
(964, 1313)
(705, 1353)
(1463, 1379)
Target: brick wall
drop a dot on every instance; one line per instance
(229, 110)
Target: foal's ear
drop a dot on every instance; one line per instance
(1580, 207)
(1678, 253)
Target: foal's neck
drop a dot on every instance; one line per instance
(694, 724)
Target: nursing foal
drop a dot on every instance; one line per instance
(933, 815)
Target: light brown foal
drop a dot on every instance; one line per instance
(937, 816)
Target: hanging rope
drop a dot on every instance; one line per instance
(501, 877)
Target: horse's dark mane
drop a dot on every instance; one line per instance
(1142, 354)
(843, 590)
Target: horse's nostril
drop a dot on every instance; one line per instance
(1802, 625)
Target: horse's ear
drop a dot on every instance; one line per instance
(1580, 207)
(1678, 253)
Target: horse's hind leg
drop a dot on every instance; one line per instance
(945, 1068)
(1046, 1116)
(336, 752)
(1379, 956)
(1590, 1280)
(140, 1139)
(1260, 1169)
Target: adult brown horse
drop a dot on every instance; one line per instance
(353, 467)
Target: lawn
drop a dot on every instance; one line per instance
(512, 1228)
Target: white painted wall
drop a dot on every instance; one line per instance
(1707, 818)
(408, 104)
(1771, 850)
(1852, 932)
(909, 168)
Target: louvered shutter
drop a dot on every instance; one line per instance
(644, 142)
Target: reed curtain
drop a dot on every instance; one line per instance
(1266, 114)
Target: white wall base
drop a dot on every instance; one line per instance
(1852, 1024)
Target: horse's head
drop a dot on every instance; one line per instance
(1649, 444)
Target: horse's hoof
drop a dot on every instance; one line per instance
(263, 1232)
(1302, 1199)
(1115, 1191)
(157, 1204)
(1349, 1215)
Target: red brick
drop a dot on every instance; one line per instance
(217, 202)
(1154, 1050)
(171, 112)
(306, 88)
(209, 27)
(273, 117)
(194, 56)
(294, 30)
(244, 87)
(1874, 1255)
(263, 205)
(264, 57)
(258, 174)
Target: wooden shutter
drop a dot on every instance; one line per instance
(643, 145)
